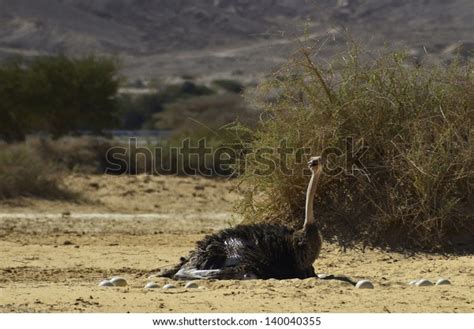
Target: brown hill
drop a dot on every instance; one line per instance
(172, 37)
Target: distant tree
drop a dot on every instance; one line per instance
(58, 95)
(98, 85)
(14, 115)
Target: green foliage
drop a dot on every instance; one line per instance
(57, 94)
(416, 187)
(15, 117)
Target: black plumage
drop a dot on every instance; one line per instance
(252, 251)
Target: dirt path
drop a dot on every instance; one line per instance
(53, 261)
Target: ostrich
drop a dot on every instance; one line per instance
(259, 251)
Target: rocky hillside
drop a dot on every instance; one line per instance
(171, 37)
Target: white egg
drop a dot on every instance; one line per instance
(169, 286)
(151, 285)
(118, 281)
(442, 282)
(364, 284)
(191, 285)
(424, 283)
(106, 283)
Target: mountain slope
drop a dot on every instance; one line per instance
(185, 36)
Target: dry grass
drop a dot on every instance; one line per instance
(416, 188)
(23, 172)
(79, 154)
(36, 167)
(96, 155)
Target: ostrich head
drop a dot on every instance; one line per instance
(315, 162)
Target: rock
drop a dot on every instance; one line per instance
(169, 286)
(106, 283)
(413, 282)
(151, 285)
(442, 282)
(191, 285)
(364, 284)
(118, 281)
(424, 283)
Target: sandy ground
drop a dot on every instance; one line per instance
(54, 254)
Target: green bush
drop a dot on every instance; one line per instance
(415, 190)
(15, 117)
(57, 94)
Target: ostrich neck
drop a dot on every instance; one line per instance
(309, 211)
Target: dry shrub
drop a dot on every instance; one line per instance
(96, 155)
(24, 173)
(416, 188)
(80, 154)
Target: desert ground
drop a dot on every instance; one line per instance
(55, 253)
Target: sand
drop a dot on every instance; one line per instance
(54, 254)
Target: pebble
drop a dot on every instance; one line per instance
(364, 284)
(423, 283)
(191, 285)
(413, 282)
(106, 283)
(442, 282)
(169, 286)
(118, 281)
(151, 285)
